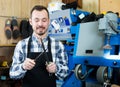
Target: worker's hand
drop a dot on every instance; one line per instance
(114, 85)
(28, 64)
(51, 67)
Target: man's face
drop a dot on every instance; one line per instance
(40, 22)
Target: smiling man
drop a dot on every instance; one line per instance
(39, 59)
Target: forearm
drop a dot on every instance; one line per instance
(62, 64)
(62, 71)
(16, 71)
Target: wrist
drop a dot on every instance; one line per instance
(22, 67)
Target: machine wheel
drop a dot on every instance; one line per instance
(102, 74)
(78, 72)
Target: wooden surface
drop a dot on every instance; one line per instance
(110, 5)
(91, 5)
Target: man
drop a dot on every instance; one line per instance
(42, 70)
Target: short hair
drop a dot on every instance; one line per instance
(39, 8)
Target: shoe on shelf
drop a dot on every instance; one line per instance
(15, 29)
(8, 31)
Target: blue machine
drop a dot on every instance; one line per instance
(93, 47)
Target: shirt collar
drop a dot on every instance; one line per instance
(36, 39)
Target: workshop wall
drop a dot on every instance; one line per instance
(109, 5)
(91, 5)
(100, 6)
(18, 9)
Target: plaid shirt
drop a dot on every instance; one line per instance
(20, 53)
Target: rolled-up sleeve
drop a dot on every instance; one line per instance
(62, 63)
(16, 70)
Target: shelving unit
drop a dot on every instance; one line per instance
(6, 52)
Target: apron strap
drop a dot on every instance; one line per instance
(29, 43)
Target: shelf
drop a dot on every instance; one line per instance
(1, 68)
(7, 45)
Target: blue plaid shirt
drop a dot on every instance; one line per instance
(59, 56)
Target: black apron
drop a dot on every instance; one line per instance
(38, 76)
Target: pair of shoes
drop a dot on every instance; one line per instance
(11, 29)
(25, 29)
(15, 29)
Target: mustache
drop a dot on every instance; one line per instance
(40, 27)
